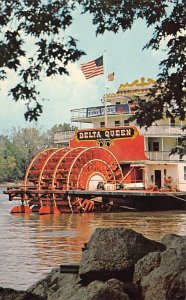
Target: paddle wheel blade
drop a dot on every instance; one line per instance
(20, 209)
(46, 210)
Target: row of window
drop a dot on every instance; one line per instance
(126, 123)
(116, 123)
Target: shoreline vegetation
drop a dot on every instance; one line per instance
(14, 183)
(19, 147)
(116, 263)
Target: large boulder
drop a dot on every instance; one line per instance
(107, 270)
(145, 265)
(174, 241)
(162, 275)
(11, 294)
(113, 252)
(46, 286)
(96, 290)
(110, 290)
(69, 286)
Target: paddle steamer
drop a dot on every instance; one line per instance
(109, 165)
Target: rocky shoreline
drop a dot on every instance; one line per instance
(116, 264)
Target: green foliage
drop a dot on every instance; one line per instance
(8, 167)
(17, 151)
(42, 21)
(63, 127)
(180, 148)
(57, 128)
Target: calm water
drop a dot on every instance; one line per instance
(31, 245)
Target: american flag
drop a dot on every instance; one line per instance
(93, 68)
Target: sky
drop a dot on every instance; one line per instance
(124, 57)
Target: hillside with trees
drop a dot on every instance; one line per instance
(17, 150)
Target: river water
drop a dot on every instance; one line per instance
(31, 245)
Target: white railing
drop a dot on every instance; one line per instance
(164, 155)
(63, 136)
(78, 113)
(162, 130)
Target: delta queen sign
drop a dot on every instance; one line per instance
(124, 142)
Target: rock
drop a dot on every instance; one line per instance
(145, 265)
(174, 241)
(98, 290)
(162, 275)
(56, 286)
(11, 294)
(113, 252)
(47, 286)
(68, 287)
(117, 264)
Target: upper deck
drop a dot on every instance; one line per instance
(117, 107)
(93, 115)
(115, 110)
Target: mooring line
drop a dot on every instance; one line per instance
(177, 197)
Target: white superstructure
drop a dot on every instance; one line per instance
(161, 168)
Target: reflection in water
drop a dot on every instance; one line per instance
(31, 245)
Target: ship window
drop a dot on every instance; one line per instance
(117, 123)
(126, 122)
(102, 124)
(155, 146)
(172, 122)
(118, 102)
(184, 172)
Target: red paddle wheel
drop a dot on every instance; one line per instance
(54, 171)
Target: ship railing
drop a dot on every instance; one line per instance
(164, 156)
(162, 130)
(78, 113)
(63, 136)
(153, 129)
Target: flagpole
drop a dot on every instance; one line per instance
(105, 102)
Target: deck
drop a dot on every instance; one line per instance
(124, 199)
(124, 193)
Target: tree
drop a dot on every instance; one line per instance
(17, 150)
(43, 21)
(62, 127)
(56, 128)
(26, 143)
(9, 169)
